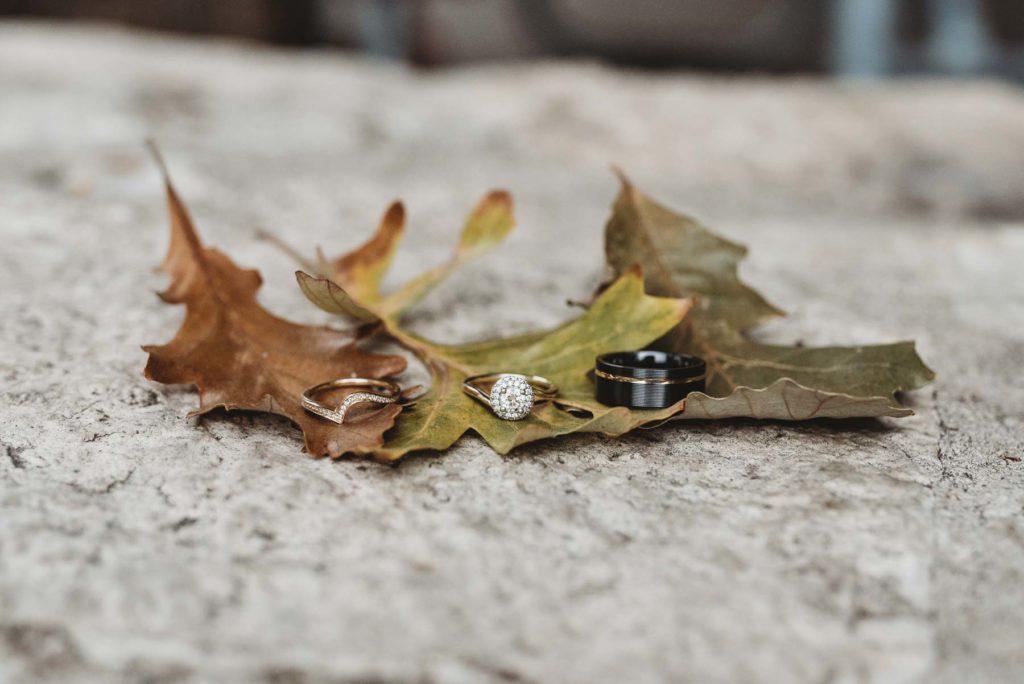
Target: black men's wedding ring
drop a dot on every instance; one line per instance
(647, 379)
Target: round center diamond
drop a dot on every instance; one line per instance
(512, 397)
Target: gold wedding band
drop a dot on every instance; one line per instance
(388, 393)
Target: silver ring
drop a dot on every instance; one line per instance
(511, 395)
(388, 394)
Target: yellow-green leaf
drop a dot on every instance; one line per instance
(360, 272)
(623, 317)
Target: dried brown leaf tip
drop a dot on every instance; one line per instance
(241, 356)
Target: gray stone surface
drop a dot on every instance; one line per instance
(138, 546)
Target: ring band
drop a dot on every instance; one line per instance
(511, 395)
(388, 394)
(647, 379)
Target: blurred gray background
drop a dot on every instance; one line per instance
(862, 37)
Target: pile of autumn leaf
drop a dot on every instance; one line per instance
(674, 285)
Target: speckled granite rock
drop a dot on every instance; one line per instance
(136, 545)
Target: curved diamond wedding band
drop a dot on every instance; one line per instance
(511, 395)
(388, 393)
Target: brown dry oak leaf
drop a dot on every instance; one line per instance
(681, 258)
(240, 356)
(623, 317)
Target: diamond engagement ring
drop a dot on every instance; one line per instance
(386, 392)
(511, 395)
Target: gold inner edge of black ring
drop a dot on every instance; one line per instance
(650, 381)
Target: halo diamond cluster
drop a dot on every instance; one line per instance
(512, 397)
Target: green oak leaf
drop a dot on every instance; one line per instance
(622, 317)
(682, 258)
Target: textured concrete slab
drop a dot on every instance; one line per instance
(136, 545)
